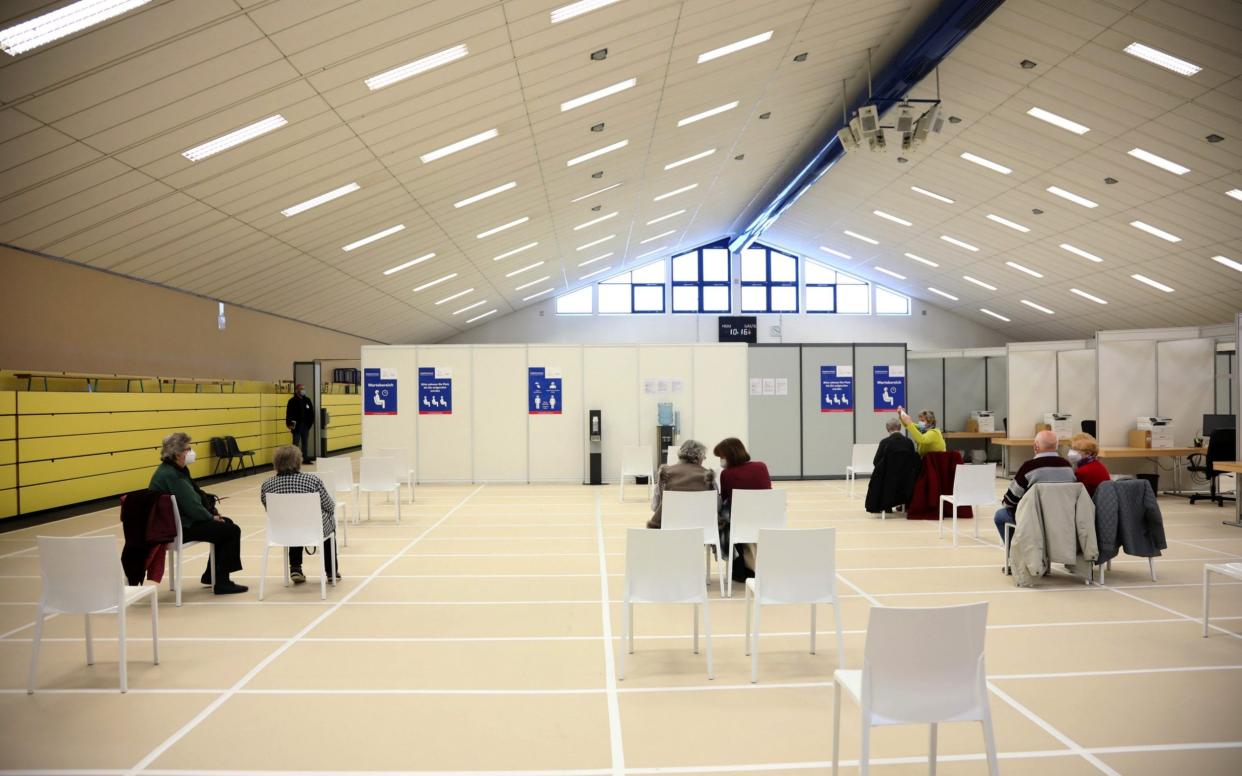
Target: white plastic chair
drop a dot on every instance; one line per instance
(670, 455)
(798, 566)
(401, 467)
(696, 509)
(752, 510)
(945, 683)
(376, 475)
(343, 467)
(329, 477)
(176, 552)
(82, 575)
(662, 567)
(973, 486)
(295, 520)
(861, 458)
(636, 462)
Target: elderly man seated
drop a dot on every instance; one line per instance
(1046, 466)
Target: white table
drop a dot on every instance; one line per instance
(1224, 569)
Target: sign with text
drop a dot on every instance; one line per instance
(379, 394)
(889, 386)
(543, 390)
(435, 390)
(836, 388)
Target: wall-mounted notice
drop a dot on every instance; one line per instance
(543, 390)
(889, 384)
(756, 386)
(836, 388)
(435, 390)
(782, 386)
(379, 395)
(769, 386)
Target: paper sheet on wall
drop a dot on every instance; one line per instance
(756, 386)
(769, 386)
(649, 386)
(675, 386)
(782, 386)
(662, 386)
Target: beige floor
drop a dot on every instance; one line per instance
(473, 637)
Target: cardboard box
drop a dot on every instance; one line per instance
(972, 426)
(1140, 438)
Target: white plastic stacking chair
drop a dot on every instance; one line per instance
(82, 575)
(798, 566)
(329, 477)
(296, 520)
(402, 469)
(750, 511)
(343, 467)
(376, 475)
(636, 462)
(696, 509)
(662, 567)
(973, 486)
(946, 683)
(670, 455)
(861, 458)
(176, 552)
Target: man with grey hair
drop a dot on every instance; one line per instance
(1046, 466)
(688, 474)
(895, 441)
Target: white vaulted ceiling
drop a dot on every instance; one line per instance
(93, 128)
(1081, 74)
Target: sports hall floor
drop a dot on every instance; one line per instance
(476, 637)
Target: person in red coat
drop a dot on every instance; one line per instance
(739, 473)
(1088, 469)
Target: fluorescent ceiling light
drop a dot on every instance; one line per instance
(598, 94)
(979, 283)
(523, 269)
(1080, 252)
(597, 152)
(593, 193)
(689, 159)
(657, 236)
(1153, 283)
(1085, 295)
(988, 163)
(1060, 121)
(480, 317)
(1071, 196)
(753, 40)
(1158, 57)
(684, 189)
(596, 272)
(890, 273)
(1035, 306)
(373, 238)
(928, 262)
(1163, 235)
(862, 237)
(595, 242)
(959, 243)
(302, 207)
(931, 194)
(536, 294)
(707, 114)
(411, 69)
(891, 217)
(408, 264)
(460, 145)
(1159, 161)
(666, 216)
(595, 221)
(74, 17)
(1235, 193)
(826, 249)
(458, 295)
(577, 9)
(435, 282)
(525, 286)
(484, 195)
(1228, 262)
(1027, 270)
(515, 251)
(234, 138)
(479, 303)
(502, 227)
(597, 258)
(945, 294)
(650, 252)
(1006, 222)
(997, 316)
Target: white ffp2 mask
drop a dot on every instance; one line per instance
(190, 456)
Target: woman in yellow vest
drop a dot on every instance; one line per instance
(927, 438)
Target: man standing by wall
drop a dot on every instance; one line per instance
(299, 419)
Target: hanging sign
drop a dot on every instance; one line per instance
(543, 391)
(435, 390)
(836, 388)
(379, 395)
(889, 384)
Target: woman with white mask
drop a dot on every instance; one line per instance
(1088, 469)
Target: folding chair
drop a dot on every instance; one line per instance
(752, 510)
(176, 552)
(238, 453)
(328, 476)
(973, 486)
(377, 475)
(401, 466)
(696, 510)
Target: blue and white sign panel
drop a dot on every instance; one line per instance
(379, 395)
(889, 384)
(836, 388)
(435, 390)
(543, 390)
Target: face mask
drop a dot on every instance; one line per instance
(723, 465)
(190, 457)
(1074, 457)
(921, 426)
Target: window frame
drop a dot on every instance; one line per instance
(875, 303)
(700, 284)
(590, 295)
(836, 293)
(768, 283)
(663, 286)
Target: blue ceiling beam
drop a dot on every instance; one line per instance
(938, 35)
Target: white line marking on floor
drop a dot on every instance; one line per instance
(616, 746)
(857, 589)
(1052, 731)
(1174, 612)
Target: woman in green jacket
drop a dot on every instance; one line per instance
(198, 523)
(927, 438)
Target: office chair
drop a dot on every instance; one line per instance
(1220, 448)
(1087, 427)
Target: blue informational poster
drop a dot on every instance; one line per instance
(543, 390)
(435, 390)
(889, 383)
(836, 388)
(379, 392)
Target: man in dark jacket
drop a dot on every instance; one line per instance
(895, 468)
(895, 441)
(299, 419)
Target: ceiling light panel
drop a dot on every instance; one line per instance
(435, 282)
(675, 192)
(1085, 295)
(302, 207)
(652, 252)
(988, 163)
(862, 237)
(1225, 261)
(480, 317)
(595, 221)
(523, 269)
(959, 243)
(1006, 222)
(1158, 161)
(932, 194)
(689, 159)
(997, 316)
(1235, 193)
(596, 272)
(502, 227)
(479, 303)
(408, 264)
(726, 50)
(536, 281)
(826, 249)
(1155, 231)
(537, 294)
(62, 22)
(1153, 283)
(1059, 121)
(235, 138)
(566, 12)
(593, 243)
(665, 217)
(707, 114)
(945, 294)
(460, 145)
(458, 295)
(489, 193)
(515, 251)
(890, 273)
(597, 152)
(593, 193)
(655, 237)
(599, 94)
(1080, 252)
(1036, 306)
(1021, 268)
(601, 257)
(891, 217)
(1162, 59)
(1071, 196)
(921, 260)
(411, 69)
(372, 238)
(978, 282)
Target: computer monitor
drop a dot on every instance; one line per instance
(1216, 422)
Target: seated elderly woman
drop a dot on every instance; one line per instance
(688, 474)
(740, 472)
(287, 461)
(199, 522)
(927, 438)
(1088, 469)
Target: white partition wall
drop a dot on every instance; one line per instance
(498, 414)
(1127, 375)
(1032, 387)
(557, 443)
(1185, 385)
(720, 388)
(1077, 390)
(445, 442)
(400, 430)
(610, 384)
